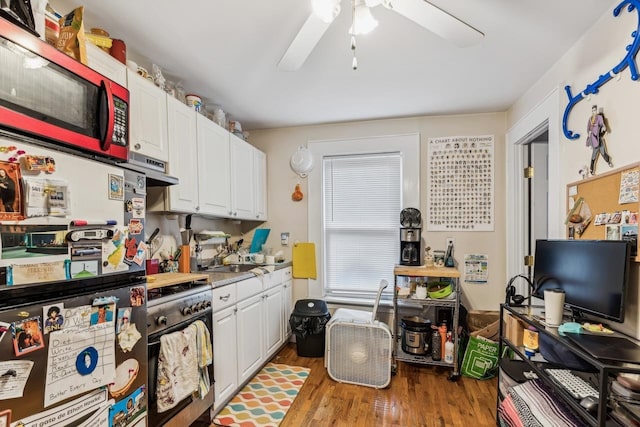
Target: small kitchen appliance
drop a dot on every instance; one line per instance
(416, 335)
(48, 95)
(410, 235)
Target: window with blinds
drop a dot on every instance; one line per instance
(362, 198)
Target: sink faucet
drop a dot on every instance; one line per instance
(221, 253)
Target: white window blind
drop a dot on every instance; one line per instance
(362, 197)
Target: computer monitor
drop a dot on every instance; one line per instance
(592, 273)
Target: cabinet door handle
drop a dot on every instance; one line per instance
(226, 297)
(137, 146)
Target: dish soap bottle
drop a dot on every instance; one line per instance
(448, 349)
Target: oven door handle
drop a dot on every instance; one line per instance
(154, 339)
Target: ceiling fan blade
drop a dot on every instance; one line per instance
(302, 45)
(438, 21)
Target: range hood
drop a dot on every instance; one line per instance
(152, 168)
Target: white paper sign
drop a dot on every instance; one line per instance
(79, 361)
(77, 318)
(460, 193)
(13, 386)
(67, 413)
(100, 418)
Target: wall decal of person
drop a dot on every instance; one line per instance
(595, 138)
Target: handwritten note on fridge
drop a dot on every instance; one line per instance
(79, 361)
(12, 386)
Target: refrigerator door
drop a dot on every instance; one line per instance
(64, 361)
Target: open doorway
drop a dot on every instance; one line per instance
(537, 158)
(534, 205)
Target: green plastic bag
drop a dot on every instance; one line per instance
(480, 358)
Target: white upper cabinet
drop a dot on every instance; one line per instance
(213, 168)
(183, 156)
(106, 64)
(242, 179)
(260, 184)
(148, 118)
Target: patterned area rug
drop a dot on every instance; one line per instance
(265, 400)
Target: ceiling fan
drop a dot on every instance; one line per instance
(421, 12)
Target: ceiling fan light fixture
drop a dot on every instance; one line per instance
(373, 3)
(363, 21)
(326, 10)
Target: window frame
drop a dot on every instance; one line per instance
(408, 145)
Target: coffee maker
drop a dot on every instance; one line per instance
(410, 237)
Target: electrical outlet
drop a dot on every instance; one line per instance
(450, 241)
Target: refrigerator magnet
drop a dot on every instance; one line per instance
(5, 418)
(116, 187)
(87, 361)
(102, 313)
(27, 336)
(54, 319)
(4, 328)
(137, 296)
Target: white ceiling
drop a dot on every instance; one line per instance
(227, 51)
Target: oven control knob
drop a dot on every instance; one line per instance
(186, 311)
(161, 321)
(207, 304)
(201, 305)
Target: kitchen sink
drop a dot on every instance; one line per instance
(232, 268)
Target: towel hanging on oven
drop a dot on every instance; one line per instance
(178, 375)
(204, 355)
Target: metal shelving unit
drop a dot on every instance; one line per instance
(606, 369)
(401, 303)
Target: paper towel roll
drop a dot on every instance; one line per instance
(553, 306)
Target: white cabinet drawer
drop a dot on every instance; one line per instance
(272, 279)
(248, 287)
(286, 274)
(224, 296)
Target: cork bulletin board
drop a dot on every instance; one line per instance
(612, 206)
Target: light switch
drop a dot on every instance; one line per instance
(284, 239)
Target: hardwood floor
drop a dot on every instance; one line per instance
(418, 396)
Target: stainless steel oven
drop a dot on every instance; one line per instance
(172, 309)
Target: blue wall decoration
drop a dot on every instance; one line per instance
(628, 61)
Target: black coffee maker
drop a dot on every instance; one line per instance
(410, 237)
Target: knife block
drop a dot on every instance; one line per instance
(184, 262)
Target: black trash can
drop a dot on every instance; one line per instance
(308, 323)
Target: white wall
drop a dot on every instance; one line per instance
(287, 215)
(597, 52)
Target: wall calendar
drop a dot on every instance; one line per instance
(460, 183)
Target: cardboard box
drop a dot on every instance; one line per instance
(513, 328)
(491, 331)
(479, 319)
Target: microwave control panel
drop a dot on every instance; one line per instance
(120, 125)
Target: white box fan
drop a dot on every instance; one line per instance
(359, 348)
